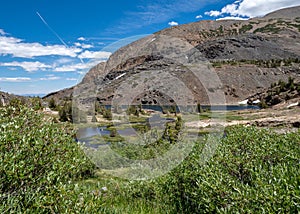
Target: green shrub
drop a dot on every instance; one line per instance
(38, 159)
(282, 85)
(15, 102)
(52, 104)
(263, 104)
(246, 28)
(113, 132)
(107, 114)
(290, 84)
(252, 171)
(269, 28)
(36, 103)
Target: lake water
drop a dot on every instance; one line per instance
(88, 134)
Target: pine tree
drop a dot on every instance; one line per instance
(63, 115)
(199, 108)
(52, 104)
(94, 119)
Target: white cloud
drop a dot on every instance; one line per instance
(253, 8)
(18, 48)
(231, 18)
(198, 17)
(95, 55)
(80, 68)
(84, 46)
(172, 23)
(64, 60)
(2, 32)
(27, 66)
(73, 67)
(81, 39)
(213, 13)
(15, 79)
(230, 9)
(50, 78)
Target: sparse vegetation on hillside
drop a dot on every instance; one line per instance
(279, 92)
(269, 28)
(277, 26)
(273, 63)
(246, 28)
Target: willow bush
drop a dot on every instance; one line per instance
(38, 159)
(252, 171)
(43, 170)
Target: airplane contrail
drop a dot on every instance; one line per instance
(60, 39)
(48, 26)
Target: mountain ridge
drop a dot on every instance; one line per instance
(257, 52)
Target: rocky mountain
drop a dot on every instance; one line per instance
(5, 98)
(65, 94)
(207, 62)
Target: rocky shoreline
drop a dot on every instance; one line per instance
(281, 119)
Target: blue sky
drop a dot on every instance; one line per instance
(48, 45)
